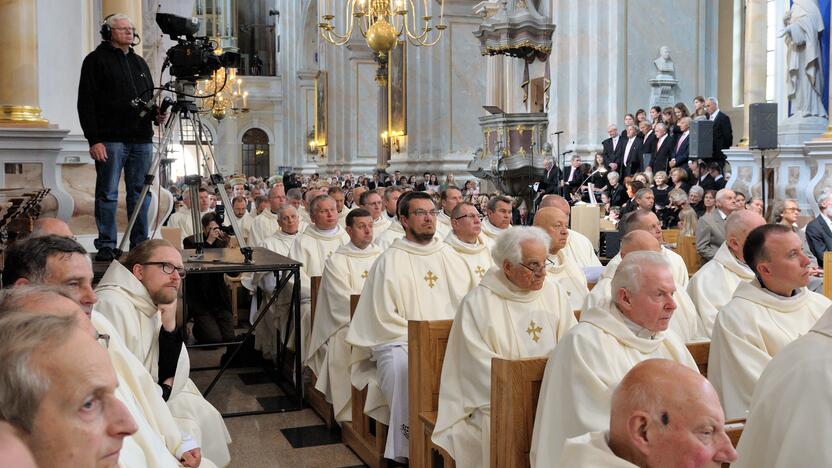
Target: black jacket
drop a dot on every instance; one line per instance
(110, 79)
(819, 238)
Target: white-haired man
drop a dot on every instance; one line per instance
(515, 312)
(819, 230)
(465, 237)
(596, 354)
(710, 230)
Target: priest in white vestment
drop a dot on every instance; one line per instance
(337, 194)
(686, 323)
(277, 317)
(790, 416)
(497, 218)
(312, 247)
(244, 218)
(391, 200)
(515, 312)
(467, 240)
(712, 286)
(344, 275)
(265, 224)
(371, 201)
(578, 246)
(386, 238)
(663, 414)
(182, 217)
(763, 316)
(417, 278)
(561, 267)
(448, 199)
(131, 299)
(594, 356)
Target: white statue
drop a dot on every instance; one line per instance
(664, 64)
(804, 81)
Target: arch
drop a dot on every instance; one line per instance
(258, 125)
(308, 34)
(256, 154)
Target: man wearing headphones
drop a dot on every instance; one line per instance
(118, 133)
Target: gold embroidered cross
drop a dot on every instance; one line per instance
(480, 271)
(431, 278)
(364, 275)
(534, 331)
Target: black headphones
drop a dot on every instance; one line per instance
(107, 32)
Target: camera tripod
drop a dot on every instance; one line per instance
(184, 108)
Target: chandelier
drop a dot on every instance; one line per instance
(223, 95)
(383, 22)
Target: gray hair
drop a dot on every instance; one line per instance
(611, 126)
(313, 204)
(643, 192)
(661, 125)
(714, 100)
(284, 208)
(822, 198)
(723, 193)
(492, 202)
(677, 196)
(294, 194)
(613, 175)
(508, 243)
(19, 298)
(22, 385)
(685, 119)
(698, 189)
(629, 271)
(111, 20)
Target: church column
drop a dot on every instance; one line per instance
(19, 103)
(131, 8)
(754, 76)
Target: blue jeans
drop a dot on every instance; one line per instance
(135, 158)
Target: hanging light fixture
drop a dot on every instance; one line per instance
(223, 94)
(383, 23)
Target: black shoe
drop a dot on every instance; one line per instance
(105, 254)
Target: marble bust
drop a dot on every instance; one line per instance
(664, 64)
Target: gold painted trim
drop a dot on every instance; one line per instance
(29, 114)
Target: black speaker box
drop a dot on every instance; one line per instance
(762, 125)
(701, 139)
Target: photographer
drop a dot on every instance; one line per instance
(112, 76)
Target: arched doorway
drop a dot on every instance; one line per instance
(256, 153)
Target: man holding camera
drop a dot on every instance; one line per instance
(113, 76)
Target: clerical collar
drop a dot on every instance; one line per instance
(769, 291)
(327, 232)
(468, 244)
(637, 329)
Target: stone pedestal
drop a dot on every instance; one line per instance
(821, 153)
(797, 130)
(792, 175)
(745, 171)
(663, 92)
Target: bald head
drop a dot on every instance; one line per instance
(555, 201)
(737, 226)
(665, 414)
(556, 223)
(51, 227)
(637, 241)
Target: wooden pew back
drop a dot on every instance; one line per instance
(827, 272)
(671, 236)
(686, 248)
(314, 397)
(515, 387)
(426, 341)
(700, 351)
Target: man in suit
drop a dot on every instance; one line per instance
(819, 230)
(723, 135)
(681, 148)
(550, 183)
(631, 153)
(713, 178)
(572, 176)
(612, 148)
(663, 149)
(648, 140)
(710, 231)
(629, 120)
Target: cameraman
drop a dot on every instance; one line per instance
(111, 77)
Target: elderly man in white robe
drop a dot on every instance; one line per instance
(467, 240)
(727, 269)
(763, 316)
(789, 422)
(265, 224)
(497, 218)
(515, 312)
(663, 414)
(562, 268)
(417, 278)
(344, 275)
(448, 200)
(686, 321)
(596, 354)
(371, 201)
(312, 247)
(578, 246)
(138, 297)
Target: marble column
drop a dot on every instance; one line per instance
(754, 76)
(131, 8)
(19, 104)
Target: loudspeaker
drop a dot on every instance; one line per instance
(701, 139)
(762, 125)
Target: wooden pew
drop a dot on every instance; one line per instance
(577, 313)
(686, 248)
(671, 236)
(364, 435)
(827, 272)
(427, 341)
(734, 427)
(515, 387)
(700, 351)
(316, 399)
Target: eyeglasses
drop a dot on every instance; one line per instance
(796, 210)
(537, 268)
(425, 213)
(123, 29)
(471, 216)
(103, 339)
(168, 268)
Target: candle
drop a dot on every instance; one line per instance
(245, 100)
(442, 11)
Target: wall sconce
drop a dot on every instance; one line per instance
(316, 147)
(392, 140)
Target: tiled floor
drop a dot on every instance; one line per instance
(291, 439)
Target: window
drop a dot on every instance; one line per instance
(256, 153)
